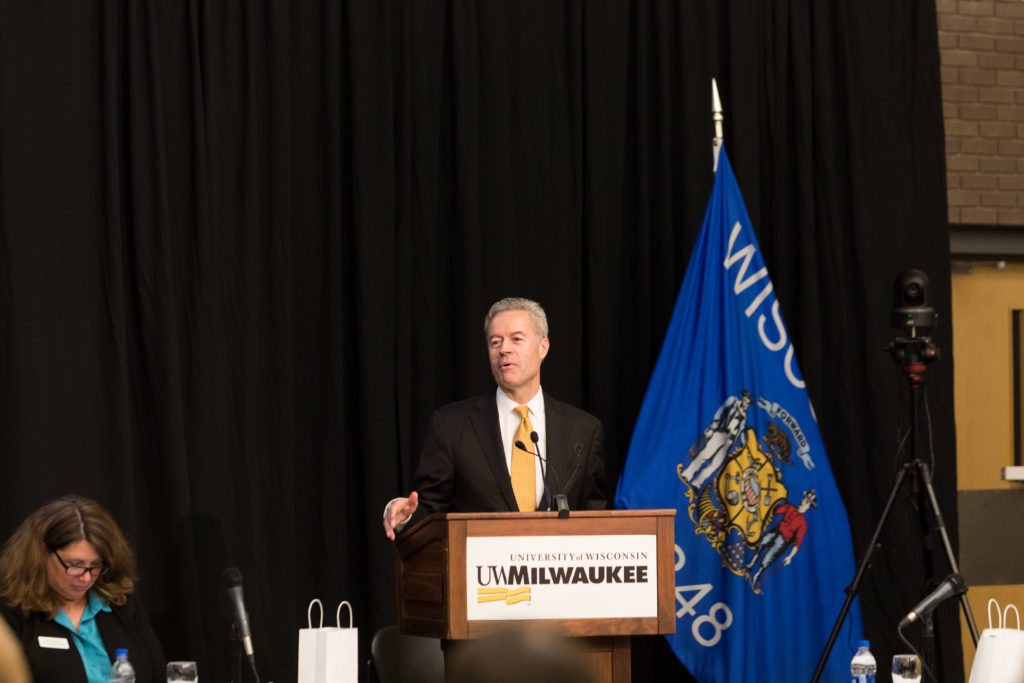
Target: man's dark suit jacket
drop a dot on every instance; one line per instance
(124, 626)
(462, 466)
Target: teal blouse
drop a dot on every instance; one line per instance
(89, 641)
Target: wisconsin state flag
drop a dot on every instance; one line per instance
(727, 436)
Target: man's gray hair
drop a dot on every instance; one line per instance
(512, 303)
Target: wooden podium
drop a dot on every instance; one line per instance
(600, 576)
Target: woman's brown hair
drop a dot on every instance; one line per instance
(23, 582)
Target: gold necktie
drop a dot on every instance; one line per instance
(524, 473)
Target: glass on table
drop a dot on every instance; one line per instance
(182, 672)
(906, 669)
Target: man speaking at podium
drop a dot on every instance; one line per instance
(514, 450)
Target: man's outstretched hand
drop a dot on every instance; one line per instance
(399, 510)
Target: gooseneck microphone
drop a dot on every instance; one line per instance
(561, 502)
(544, 463)
(575, 470)
(950, 586)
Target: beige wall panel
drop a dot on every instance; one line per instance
(982, 369)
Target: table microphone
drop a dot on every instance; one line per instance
(950, 586)
(233, 587)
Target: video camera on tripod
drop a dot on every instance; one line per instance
(911, 313)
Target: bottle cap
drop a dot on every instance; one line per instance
(863, 643)
(121, 651)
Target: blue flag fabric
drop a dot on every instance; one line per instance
(727, 436)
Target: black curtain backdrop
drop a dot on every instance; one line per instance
(246, 247)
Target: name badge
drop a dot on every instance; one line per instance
(53, 643)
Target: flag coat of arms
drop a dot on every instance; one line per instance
(727, 436)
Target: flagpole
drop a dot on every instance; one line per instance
(718, 118)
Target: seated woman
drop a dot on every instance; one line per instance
(66, 581)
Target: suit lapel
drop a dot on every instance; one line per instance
(485, 423)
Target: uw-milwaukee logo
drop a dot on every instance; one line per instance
(487, 575)
(509, 596)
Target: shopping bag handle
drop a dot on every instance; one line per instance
(316, 601)
(337, 615)
(1006, 616)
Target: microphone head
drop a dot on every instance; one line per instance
(232, 577)
(521, 446)
(533, 437)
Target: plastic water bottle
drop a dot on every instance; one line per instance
(122, 671)
(862, 666)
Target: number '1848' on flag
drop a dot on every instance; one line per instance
(727, 436)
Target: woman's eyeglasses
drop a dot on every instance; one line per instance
(77, 570)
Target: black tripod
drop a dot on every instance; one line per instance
(913, 355)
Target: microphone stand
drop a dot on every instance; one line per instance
(913, 355)
(928, 649)
(235, 654)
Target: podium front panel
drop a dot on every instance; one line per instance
(609, 576)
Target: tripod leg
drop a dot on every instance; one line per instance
(851, 590)
(940, 524)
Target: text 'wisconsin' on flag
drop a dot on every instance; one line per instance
(726, 435)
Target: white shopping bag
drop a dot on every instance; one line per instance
(1000, 655)
(328, 654)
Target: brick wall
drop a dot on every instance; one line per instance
(982, 54)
